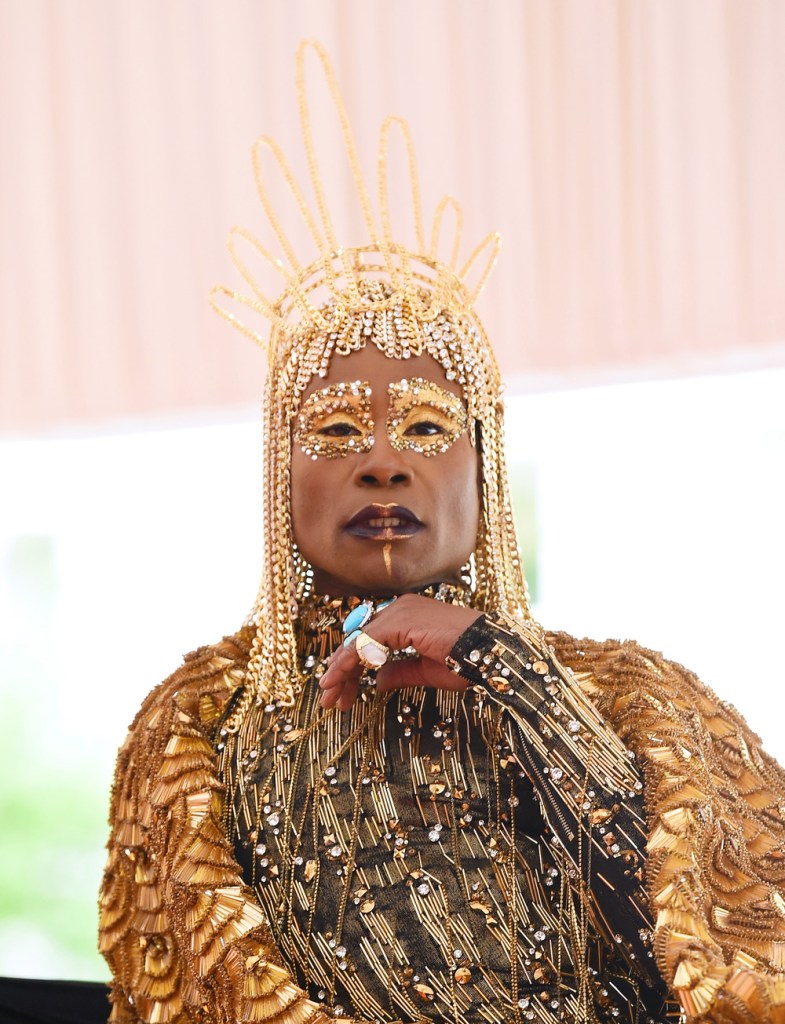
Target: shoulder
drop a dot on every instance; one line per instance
(202, 686)
(716, 810)
(622, 677)
(191, 700)
(626, 680)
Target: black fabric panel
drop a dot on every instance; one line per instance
(30, 1001)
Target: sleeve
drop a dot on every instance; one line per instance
(715, 804)
(588, 784)
(184, 937)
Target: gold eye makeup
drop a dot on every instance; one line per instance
(336, 421)
(424, 417)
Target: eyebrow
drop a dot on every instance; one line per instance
(423, 384)
(340, 394)
(352, 390)
(349, 385)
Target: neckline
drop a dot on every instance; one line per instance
(320, 613)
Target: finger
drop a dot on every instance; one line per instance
(428, 625)
(331, 682)
(418, 672)
(342, 696)
(432, 627)
(344, 667)
(348, 695)
(332, 698)
(340, 652)
(344, 664)
(340, 683)
(331, 694)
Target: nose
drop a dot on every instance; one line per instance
(383, 465)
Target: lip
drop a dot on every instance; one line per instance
(384, 522)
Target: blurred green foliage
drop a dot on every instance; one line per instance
(50, 864)
(523, 490)
(52, 811)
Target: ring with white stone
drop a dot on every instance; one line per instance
(371, 653)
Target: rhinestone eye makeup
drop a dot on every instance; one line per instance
(336, 421)
(421, 417)
(424, 417)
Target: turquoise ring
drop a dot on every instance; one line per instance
(349, 639)
(375, 653)
(357, 618)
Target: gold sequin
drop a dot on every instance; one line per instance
(424, 417)
(425, 992)
(167, 816)
(336, 421)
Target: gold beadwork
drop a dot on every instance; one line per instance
(336, 421)
(417, 404)
(338, 269)
(183, 936)
(406, 303)
(732, 855)
(484, 891)
(422, 417)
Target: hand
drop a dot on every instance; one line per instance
(430, 626)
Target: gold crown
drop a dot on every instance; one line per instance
(324, 293)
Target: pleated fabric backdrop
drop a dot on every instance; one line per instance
(631, 152)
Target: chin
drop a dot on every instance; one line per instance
(384, 584)
(376, 581)
(401, 580)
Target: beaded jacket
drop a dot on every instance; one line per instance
(586, 833)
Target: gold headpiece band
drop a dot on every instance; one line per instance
(406, 303)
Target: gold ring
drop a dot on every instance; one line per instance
(371, 653)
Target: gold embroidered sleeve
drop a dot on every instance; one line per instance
(716, 846)
(184, 937)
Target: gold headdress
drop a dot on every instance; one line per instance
(406, 301)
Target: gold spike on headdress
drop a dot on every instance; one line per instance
(339, 269)
(377, 291)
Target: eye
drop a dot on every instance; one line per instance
(339, 429)
(424, 428)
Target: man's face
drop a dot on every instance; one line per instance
(385, 494)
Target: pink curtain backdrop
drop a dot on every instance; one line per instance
(631, 152)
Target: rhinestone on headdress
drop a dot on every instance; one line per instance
(407, 301)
